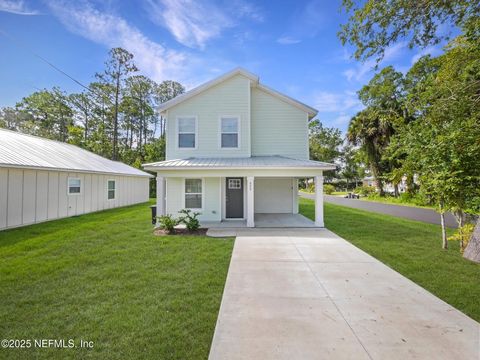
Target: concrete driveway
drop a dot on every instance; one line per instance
(309, 294)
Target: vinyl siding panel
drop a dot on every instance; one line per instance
(41, 204)
(228, 98)
(278, 128)
(3, 197)
(32, 196)
(53, 191)
(211, 205)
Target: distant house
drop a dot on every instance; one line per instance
(43, 180)
(236, 148)
(387, 187)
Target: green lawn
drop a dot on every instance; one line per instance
(410, 247)
(395, 201)
(105, 278)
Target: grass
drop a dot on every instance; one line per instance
(105, 278)
(395, 201)
(412, 248)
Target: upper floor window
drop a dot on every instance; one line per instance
(187, 132)
(74, 186)
(229, 132)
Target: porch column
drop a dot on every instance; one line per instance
(319, 201)
(161, 189)
(250, 201)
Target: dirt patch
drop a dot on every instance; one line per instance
(201, 232)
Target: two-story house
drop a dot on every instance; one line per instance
(236, 148)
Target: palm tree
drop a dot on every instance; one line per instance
(371, 131)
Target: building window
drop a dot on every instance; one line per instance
(111, 190)
(193, 193)
(234, 183)
(74, 186)
(187, 132)
(229, 132)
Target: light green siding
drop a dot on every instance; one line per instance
(211, 199)
(277, 128)
(231, 97)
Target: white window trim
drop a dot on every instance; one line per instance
(68, 186)
(177, 132)
(115, 190)
(203, 193)
(220, 132)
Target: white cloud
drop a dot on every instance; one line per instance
(191, 22)
(16, 7)
(288, 40)
(152, 58)
(244, 9)
(336, 102)
(358, 72)
(430, 50)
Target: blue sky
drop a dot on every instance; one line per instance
(291, 45)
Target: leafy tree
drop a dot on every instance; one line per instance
(324, 143)
(118, 67)
(352, 169)
(137, 106)
(46, 113)
(10, 118)
(442, 144)
(165, 91)
(374, 25)
(84, 106)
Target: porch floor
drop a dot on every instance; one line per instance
(263, 221)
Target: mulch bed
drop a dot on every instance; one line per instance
(201, 231)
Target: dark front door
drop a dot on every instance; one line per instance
(234, 198)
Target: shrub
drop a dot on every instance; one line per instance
(328, 189)
(365, 190)
(190, 219)
(167, 223)
(463, 234)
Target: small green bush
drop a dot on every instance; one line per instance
(365, 190)
(328, 189)
(463, 234)
(190, 219)
(167, 223)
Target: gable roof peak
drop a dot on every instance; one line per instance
(237, 71)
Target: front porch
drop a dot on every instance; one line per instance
(239, 192)
(264, 221)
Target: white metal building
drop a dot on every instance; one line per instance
(42, 180)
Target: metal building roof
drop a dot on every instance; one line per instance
(28, 151)
(254, 162)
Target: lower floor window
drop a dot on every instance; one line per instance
(111, 190)
(193, 193)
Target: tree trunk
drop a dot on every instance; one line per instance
(472, 251)
(444, 230)
(410, 184)
(380, 187)
(395, 190)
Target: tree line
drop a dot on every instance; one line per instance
(425, 123)
(114, 116)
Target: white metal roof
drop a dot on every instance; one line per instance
(254, 162)
(255, 81)
(28, 151)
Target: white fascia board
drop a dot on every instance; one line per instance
(290, 173)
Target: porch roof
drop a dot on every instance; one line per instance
(223, 163)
